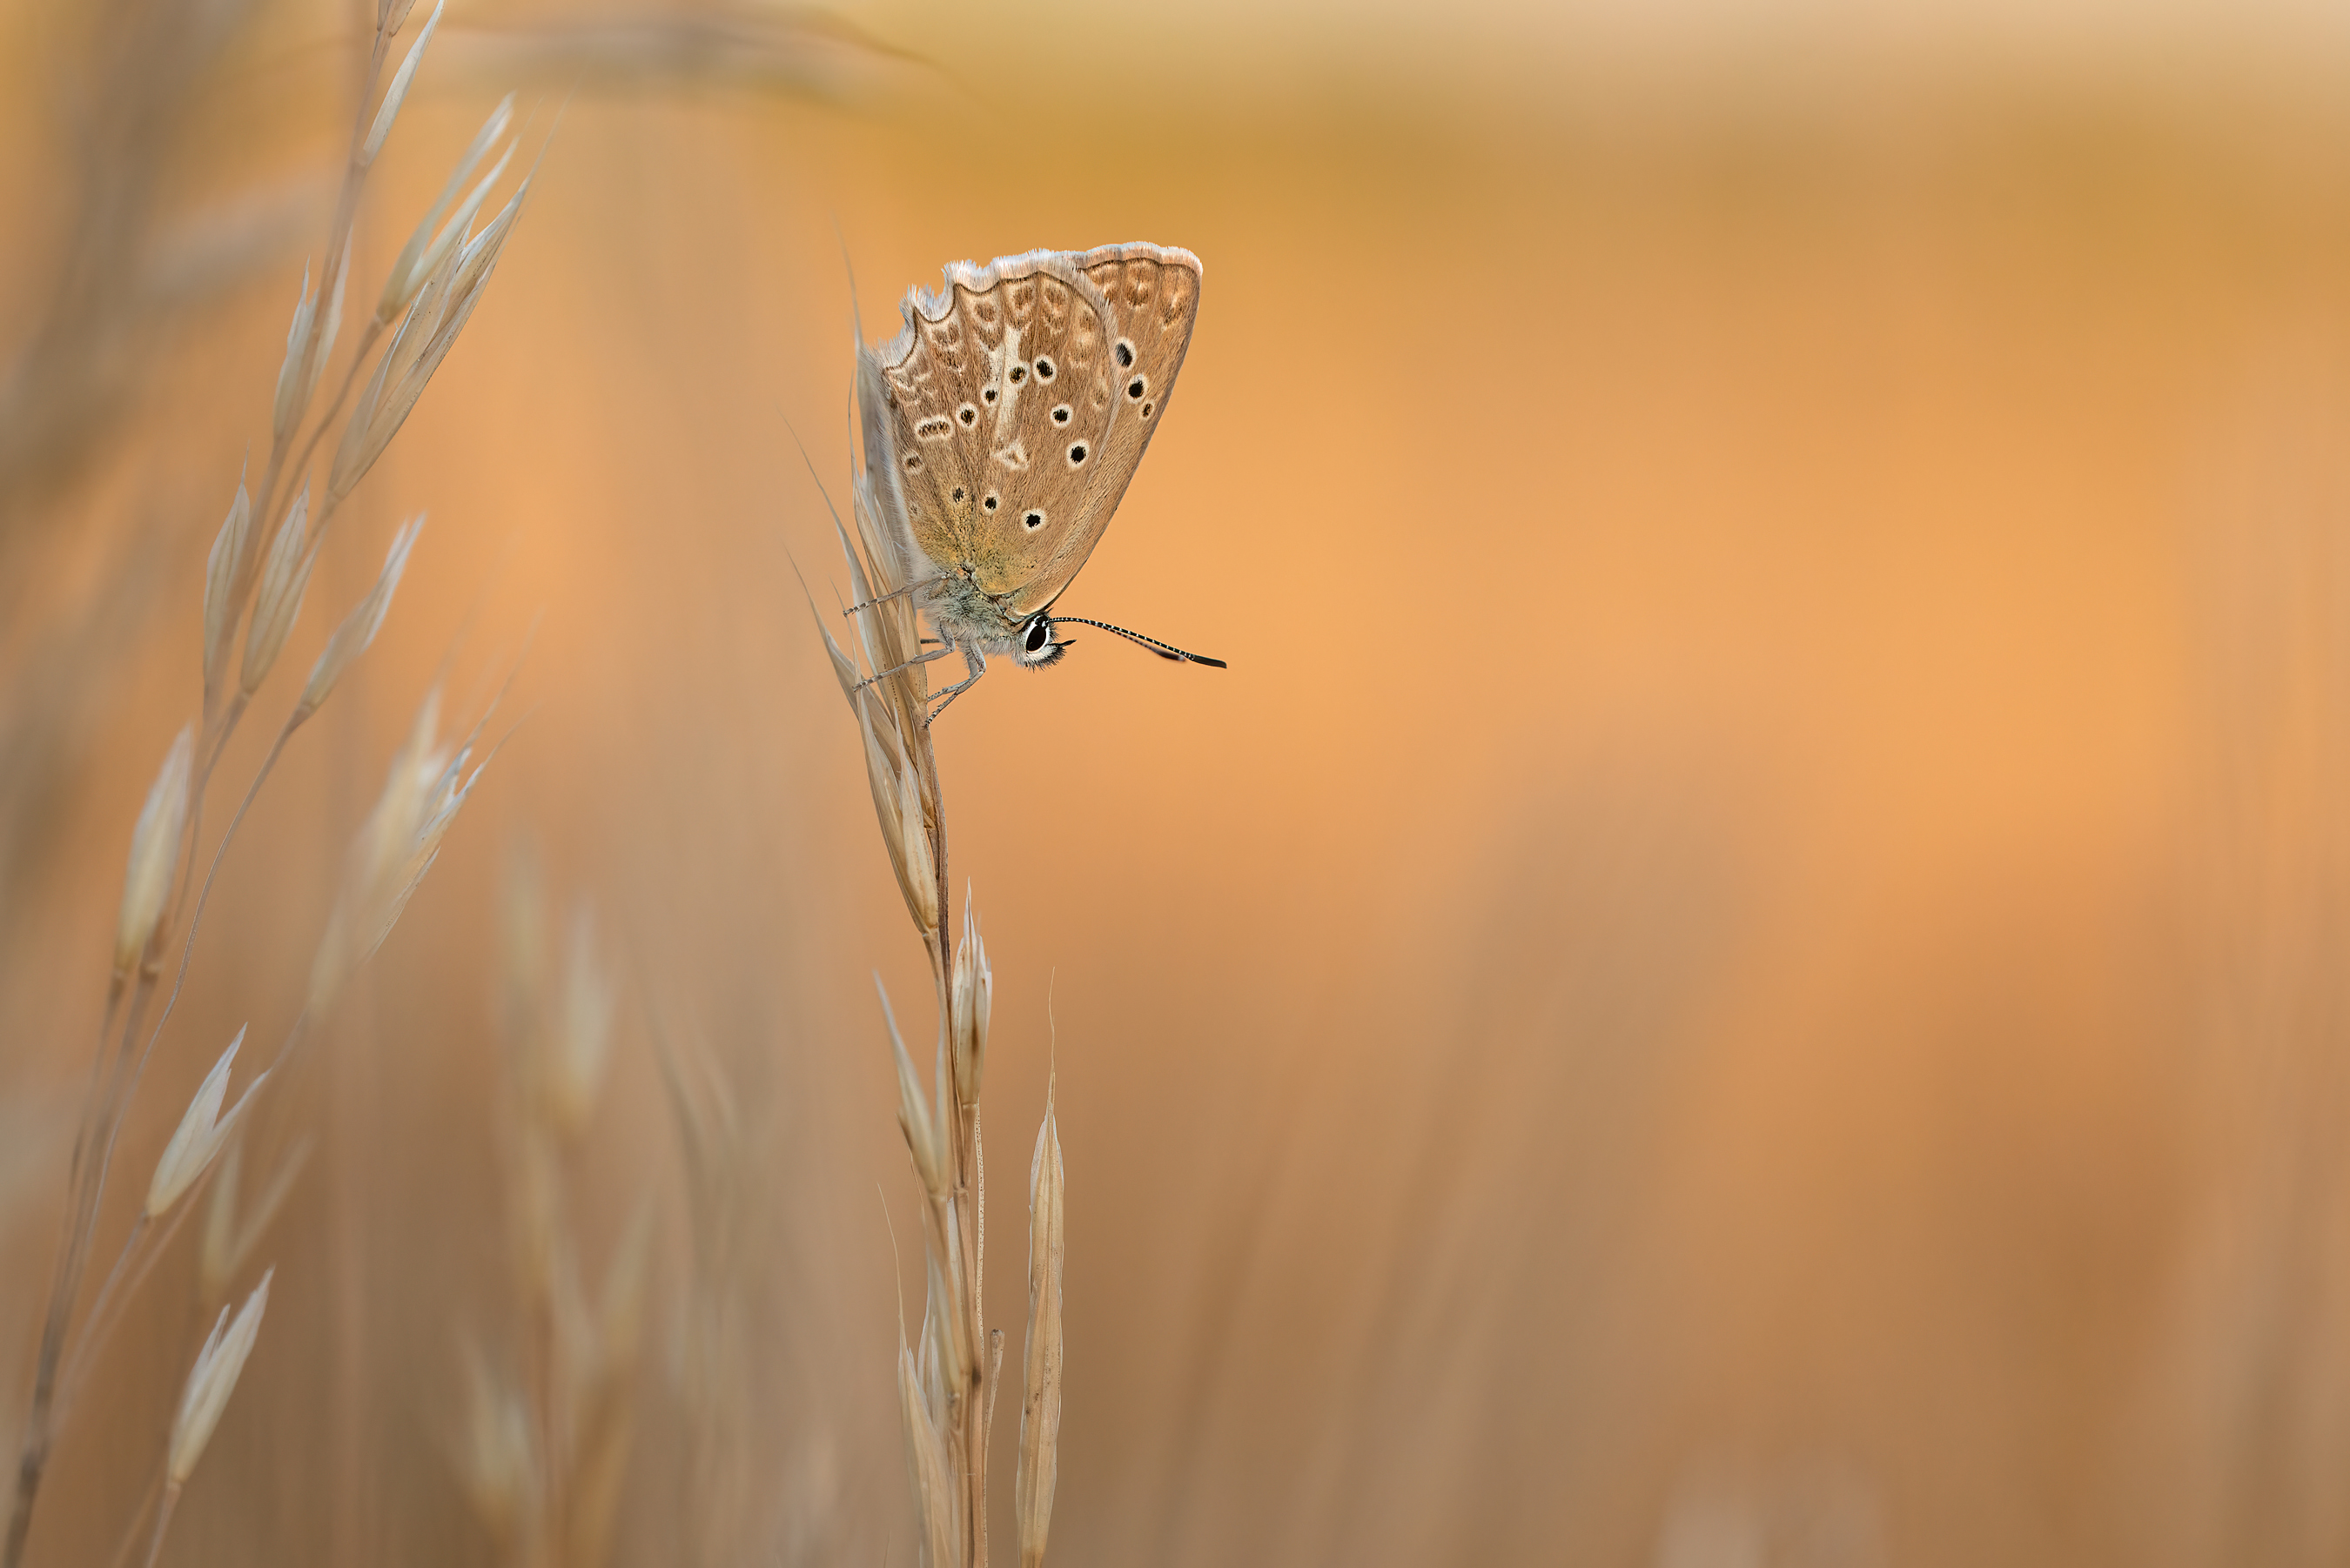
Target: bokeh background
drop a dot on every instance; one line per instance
(1747, 968)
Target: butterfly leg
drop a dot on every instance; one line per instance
(973, 660)
(884, 674)
(893, 593)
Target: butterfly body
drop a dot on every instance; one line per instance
(1002, 425)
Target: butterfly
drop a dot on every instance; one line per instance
(1002, 425)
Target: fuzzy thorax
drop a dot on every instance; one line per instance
(970, 618)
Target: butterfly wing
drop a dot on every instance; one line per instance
(1003, 409)
(1153, 292)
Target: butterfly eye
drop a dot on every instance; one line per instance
(1136, 388)
(959, 493)
(988, 396)
(1044, 369)
(1076, 453)
(1040, 632)
(967, 414)
(1061, 415)
(1125, 355)
(1033, 521)
(990, 503)
(1019, 374)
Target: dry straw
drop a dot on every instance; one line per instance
(947, 1380)
(258, 590)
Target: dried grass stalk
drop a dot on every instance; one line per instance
(544, 1459)
(428, 787)
(947, 1388)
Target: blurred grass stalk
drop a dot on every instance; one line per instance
(947, 1389)
(545, 1449)
(424, 303)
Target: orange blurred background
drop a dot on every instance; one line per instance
(1746, 968)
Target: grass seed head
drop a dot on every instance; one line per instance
(291, 397)
(918, 870)
(945, 1284)
(444, 304)
(211, 1381)
(926, 1469)
(228, 1245)
(358, 628)
(412, 265)
(582, 1039)
(925, 1139)
(154, 852)
(427, 786)
(972, 995)
(223, 574)
(427, 250)
(284, 577)
(397, 93)
(200, 1135)
(323, 340)
(1040, 1405)
(497, 1458)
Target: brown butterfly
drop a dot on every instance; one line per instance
(1002, 425)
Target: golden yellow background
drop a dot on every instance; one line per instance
(1746, 968)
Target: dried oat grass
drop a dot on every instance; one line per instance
(947, 1379)
(259, 589)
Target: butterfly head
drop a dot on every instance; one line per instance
(1037, 643)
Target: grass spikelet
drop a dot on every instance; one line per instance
(229, 1242)
(972, 997)
(397, 93)
(1040, 1407)
(154, 851)
(426, 334)
(200, 1135)
(358, 629)
(285, 573)
(547, 1460)
(293, 387)
(209, 1382)
(256, 592)
(925, 1140)
(497, 1460)
(426, 245)
(212, 1380)
(926, 1468)
(580, 1045)
(426, 787)
(224, 569)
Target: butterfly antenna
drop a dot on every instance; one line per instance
(1163, 649)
